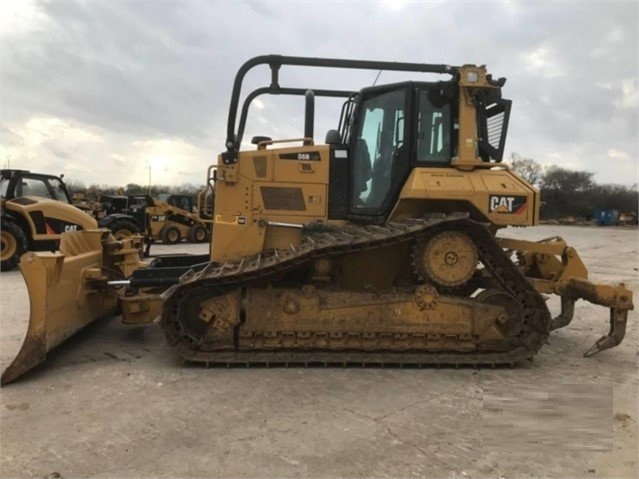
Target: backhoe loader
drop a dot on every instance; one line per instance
(376, 247)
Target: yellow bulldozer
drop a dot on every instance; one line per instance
(376, 247)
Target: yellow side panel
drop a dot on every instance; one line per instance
(52, 212)
(311, 165)
(287, 200)
(287, 185)
(442, 184)
(301, 164)
(501, 197)
(232, 240)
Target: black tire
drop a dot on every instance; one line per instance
(171, 235)
(13, 244)
(197, 234)
(123, 228)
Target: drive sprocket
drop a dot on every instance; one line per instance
(448, 259)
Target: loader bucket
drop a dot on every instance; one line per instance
(62, 298)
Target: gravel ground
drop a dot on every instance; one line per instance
(114, 401)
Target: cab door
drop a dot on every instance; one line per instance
(379, 158)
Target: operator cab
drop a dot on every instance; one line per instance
(386, 131)
(184, 202)
(396, 127)
(18, 183)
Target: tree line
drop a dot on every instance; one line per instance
(95, 190)
(566, 193)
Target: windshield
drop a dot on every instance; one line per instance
(33, 187)
(58, 190)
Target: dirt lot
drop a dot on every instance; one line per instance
(115, 402)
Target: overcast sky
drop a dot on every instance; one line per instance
(105, 91)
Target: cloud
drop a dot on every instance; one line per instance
(542, 61)
(47, 139)
(55, 146)
(19, 16)
(155, 78)
(630, 94)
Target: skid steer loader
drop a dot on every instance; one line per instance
(376, 247)
(201, 205)
(157, 220)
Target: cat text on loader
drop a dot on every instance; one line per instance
(377, 247)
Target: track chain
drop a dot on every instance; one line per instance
(319, 240)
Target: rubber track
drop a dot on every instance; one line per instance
(217, 279)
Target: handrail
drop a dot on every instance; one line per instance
(202, 193)
(275, 62)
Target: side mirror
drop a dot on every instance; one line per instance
(333, 137)
(257, 139)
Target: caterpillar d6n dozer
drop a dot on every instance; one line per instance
(376, 247)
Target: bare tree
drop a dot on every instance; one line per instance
(527, 168)
(561, 179)
(74, 186)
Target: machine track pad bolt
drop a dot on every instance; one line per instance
(322, 265)
(291, 306)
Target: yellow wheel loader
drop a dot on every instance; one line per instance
(376, 247)
(35, 209)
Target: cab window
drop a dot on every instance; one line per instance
(186, 204)
(379, 139)
(4, 186)
(433, 129)
(58, 190)
(34, 187)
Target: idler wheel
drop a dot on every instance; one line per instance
(448, 259)
(510, 323)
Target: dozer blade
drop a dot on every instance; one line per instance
(61, 297)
